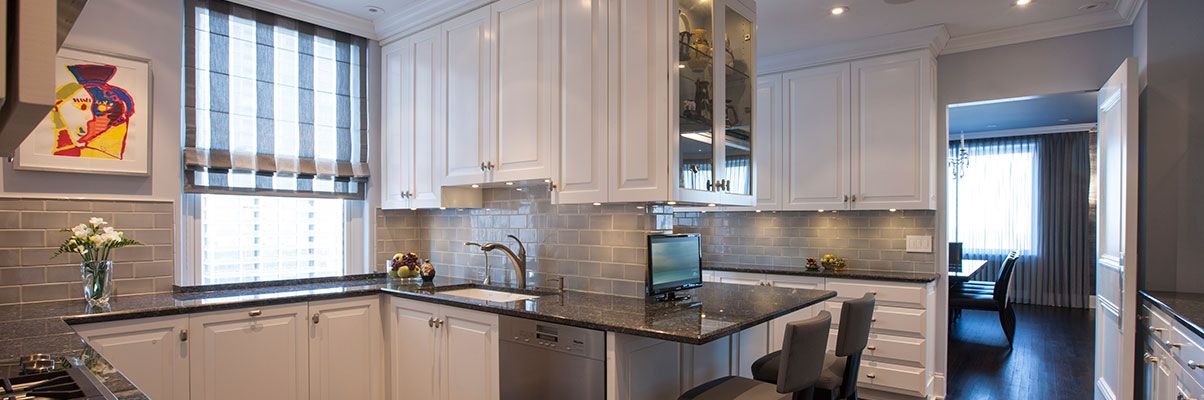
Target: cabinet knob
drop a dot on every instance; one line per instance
(853, 197)
(870, 375)
(316, 318)
(489, 165)
(430, 322)
(482, 165)
(255, 313)
(846, 198)
(183, 335)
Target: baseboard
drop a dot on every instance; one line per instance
(937, 389)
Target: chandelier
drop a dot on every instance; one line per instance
(959, 162)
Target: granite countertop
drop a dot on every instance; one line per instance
(1187, 308)
(866, 274)
(714, 311)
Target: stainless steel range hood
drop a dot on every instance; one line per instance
(32, 31)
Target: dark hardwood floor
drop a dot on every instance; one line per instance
(1052, 357)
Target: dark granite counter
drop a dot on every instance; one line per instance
(1187, 308)
(864, 274)
(714, 311)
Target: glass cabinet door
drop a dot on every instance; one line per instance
(696, 94)
(737, 107)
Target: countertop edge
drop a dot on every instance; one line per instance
(1174, 314)
(83, 319)
(859, 274)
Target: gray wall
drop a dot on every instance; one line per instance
(1171, 227)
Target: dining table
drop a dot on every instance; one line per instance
(960, 273)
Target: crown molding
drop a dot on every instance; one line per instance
(305, 11)
(1122, 14)
(401, 22)
(932, 38)
(1038, 130)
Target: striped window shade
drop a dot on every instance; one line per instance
(273, 105)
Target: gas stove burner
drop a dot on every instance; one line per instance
(70, 383)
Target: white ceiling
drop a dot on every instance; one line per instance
(792, 25)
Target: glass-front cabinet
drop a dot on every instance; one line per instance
(714, 101)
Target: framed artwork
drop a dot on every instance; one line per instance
(100, 123)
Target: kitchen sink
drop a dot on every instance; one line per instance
(488, 295)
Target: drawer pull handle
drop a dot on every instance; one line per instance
(873, 293)
(871, 347)
(255, 313)
(1194, 365)
(430, 322)
(1150, 358)
(317, 317)
(870, 375)
(1158, 330)
(873, 319)
(1173, 345)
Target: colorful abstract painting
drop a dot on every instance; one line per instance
(99, 120)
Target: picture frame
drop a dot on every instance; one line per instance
(101, 120)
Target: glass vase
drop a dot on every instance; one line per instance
(98, 281)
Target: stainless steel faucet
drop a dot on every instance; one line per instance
(478, 245)
(518, 260)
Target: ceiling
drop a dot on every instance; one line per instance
(793, 25)
(1022, 113)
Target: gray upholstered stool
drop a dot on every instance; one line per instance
(802, 356)
(838, 379)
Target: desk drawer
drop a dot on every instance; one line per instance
(887, 318)
(906, 349)
(885, 292)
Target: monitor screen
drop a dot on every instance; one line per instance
(674, 262)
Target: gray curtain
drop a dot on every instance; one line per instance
(1061, 269)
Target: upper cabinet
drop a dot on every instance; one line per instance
(859, 135)
(527, 70)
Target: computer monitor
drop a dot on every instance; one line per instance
(674, 263)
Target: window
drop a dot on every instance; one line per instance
(275, 148)
(992, 207)
(259, 238)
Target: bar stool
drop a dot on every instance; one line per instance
(839, 376)
(802, 355)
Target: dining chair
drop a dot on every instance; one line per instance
(839, 377)
(803, 355)
(993, 297)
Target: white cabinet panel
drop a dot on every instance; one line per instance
(769, 142)
(747, 346)
(470, 355)
(414, 347)
(258, 353)
(395, 177)
(150, 352)
(817, 134)
(470, 100)
(892, 132)
(343, 333)
(527, 40)
(639, 92)
(905, 294)
(584, 163)
(426, 80)
(777, 326)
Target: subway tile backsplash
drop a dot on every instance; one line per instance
(602, 249)
(29, 234)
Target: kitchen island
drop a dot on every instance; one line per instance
(701, 334)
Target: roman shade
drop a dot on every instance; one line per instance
(273, 105)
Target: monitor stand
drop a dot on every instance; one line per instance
(670, 297)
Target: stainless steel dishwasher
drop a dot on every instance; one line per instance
(541, 360)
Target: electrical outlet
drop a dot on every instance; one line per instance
(919, 244)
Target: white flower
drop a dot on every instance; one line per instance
(79, 232)
(96, 221)
(108, 230)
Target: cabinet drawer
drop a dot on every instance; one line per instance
(893, 378)
(1187, 346)
(908, 349)
(887, 318)
(739, 278)
(884, 292)
(1158, 323)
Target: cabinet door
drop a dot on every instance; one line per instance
(527, 41)
(396, 175)
(817, 137)
(469, 354)
(469, 98)
(584, 167)
(150, 352)
(414, 350)
(747, 346)
(343, 333)
(892, 132)
(639, 147)
(777, 326)
(256, 353)
(767, 125)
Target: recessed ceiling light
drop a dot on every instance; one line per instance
(840, 10)
(374, 9)
(1092, 6)
(1064, 120)
(1022, 3)
(992, 126)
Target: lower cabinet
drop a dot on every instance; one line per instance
(441, 352)
(1170, 356)
(318, 350)
(151, 352)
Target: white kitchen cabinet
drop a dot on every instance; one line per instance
(777, 326)
(396, 175)
(894, 132)
(1170, 357)
(151, 352)
(345, 355)
(818, 155)
(469, 98)
(256, 353)
(584, 163)
(441, 352)
(527, 70)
